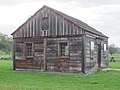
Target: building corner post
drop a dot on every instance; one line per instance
(83, 52)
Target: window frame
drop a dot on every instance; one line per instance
(104, 49)
(65, 51)
(92, 48)
(26, 50)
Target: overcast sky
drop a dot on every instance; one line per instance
(103, 15)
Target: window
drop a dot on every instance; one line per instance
(19, 50)
(44, 23)
(105, 47)
(63, 49)
(45, 33)
(45, 26)
(91, 49)
(104, 50)
(29, 50)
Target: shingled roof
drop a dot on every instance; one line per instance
(78, 22)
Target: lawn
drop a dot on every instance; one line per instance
(21, 80)
(4, 55)
(114, 64)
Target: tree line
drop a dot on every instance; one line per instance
(113, 49)
(5, 43)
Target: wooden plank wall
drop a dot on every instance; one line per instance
(73, 61)
(104, 54)
(92, 63)
(35, 62)
(58, 25)
(54, 62)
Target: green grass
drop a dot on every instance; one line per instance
(4, 55)
(21, 80)
(114, 65)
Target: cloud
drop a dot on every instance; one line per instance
(91, 3)
(15, 2)
(82, 3)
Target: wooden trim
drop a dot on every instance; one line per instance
(45, 60)
(63, 31)
(56, 26)
(41, 37)
(59, 53)
(26, 49)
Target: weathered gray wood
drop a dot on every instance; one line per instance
(83, 53)
(45, 61)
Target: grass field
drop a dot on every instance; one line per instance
(114, 64)
(21, 80)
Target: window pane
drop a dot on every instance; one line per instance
(64, 49)
(92, 45)
(91, 49)
(29, 49)
(105, 47)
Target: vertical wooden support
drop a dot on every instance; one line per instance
(66, 27)
(107, 54)
(45, 47)
(99, 54)
(14, 67)
(83, 52)
(63, 31)
(56, 25)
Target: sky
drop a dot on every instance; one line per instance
(103, 15)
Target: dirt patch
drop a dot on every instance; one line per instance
(106, 69)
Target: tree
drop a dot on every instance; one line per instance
(112, 49)
(5, 43)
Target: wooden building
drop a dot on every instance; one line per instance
(53, 41)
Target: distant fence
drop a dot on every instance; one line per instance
(4, 58)
(114, 60)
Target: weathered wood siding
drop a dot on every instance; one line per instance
(71, 63)
(35, 62)
(91, 64)
(57, 25)
(104, 54)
